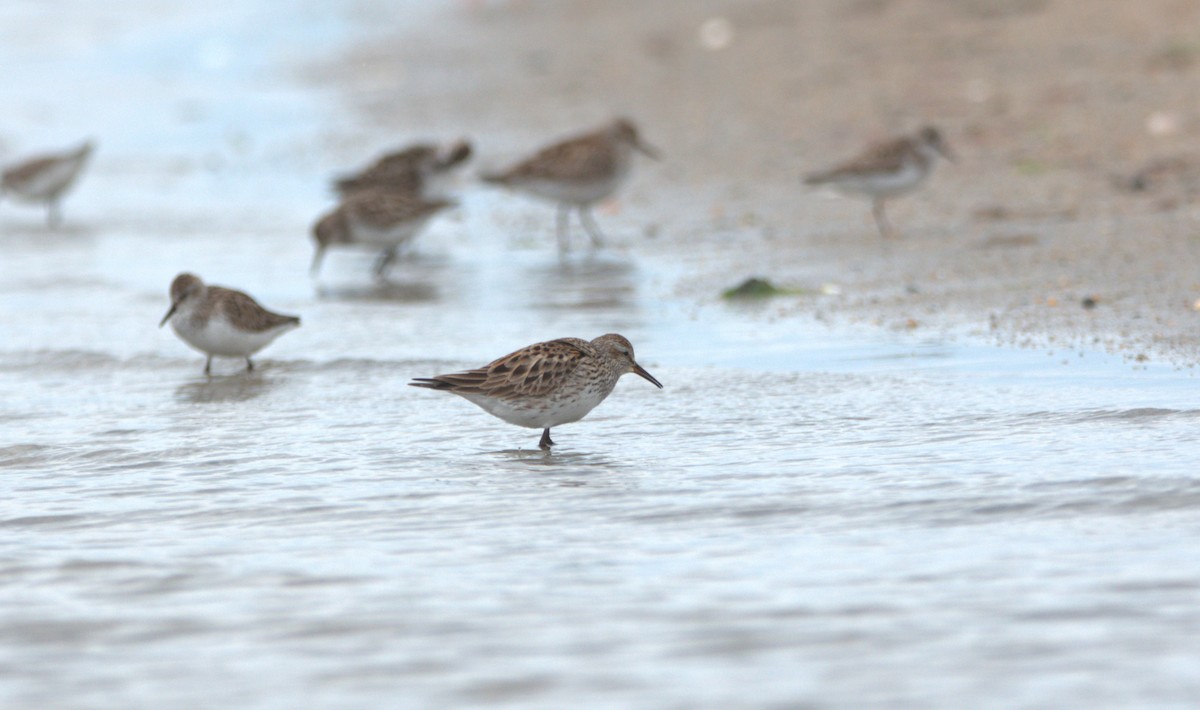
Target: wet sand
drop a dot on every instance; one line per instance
(1046, 103)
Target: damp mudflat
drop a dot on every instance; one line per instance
(806, 515)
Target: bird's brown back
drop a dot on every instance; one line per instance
(243, 310)
(532, 371)
(883, 157)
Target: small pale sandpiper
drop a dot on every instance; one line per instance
(222, 321)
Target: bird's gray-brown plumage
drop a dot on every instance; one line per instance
(406, 170)
(545, 384)
(886, 170)
(385, 219)
(578, 172)
(46, 178)
(222, 321)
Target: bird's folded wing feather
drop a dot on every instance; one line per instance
(529, 372)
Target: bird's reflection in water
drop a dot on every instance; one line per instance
(236, 387)
(382, 291)
(415, 278)
(34, 233)
(594, 283)
(558, 461)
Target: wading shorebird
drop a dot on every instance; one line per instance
(381, 219)
(417, 169)
(46, 178)
(545, 384)
(887, 170)
(577, 173)
(222, 321)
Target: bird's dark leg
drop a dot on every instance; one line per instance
(316, 262)
(546, 442)
(385, 260)
(249, 365)
(881, 220)
(562, 227)
(593, 230)
(208, 365)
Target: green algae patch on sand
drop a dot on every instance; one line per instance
(757, 288)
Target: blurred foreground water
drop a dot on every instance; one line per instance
(804, 516)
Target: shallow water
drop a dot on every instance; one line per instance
(804, 516)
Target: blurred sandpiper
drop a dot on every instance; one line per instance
(887, 170)
(578, 172)
(46, 178)
(418, 168)
(380, 218)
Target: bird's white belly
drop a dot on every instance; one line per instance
(887, 184)
(218, 337)
(540, 413)
(580, 193)
(385, 237)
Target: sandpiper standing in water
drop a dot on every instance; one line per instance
(379, 218)
(46, 178)
(417, 168)
(222, 321)
(577, 173)
(545, 384)
(887, 170)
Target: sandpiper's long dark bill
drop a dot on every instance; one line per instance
(545, 384)
(887, 170)
(222, 321)
(578, 172)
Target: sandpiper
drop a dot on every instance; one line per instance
(887, 170)
(412, 169)
(378, 218)
(545, 384)
(46, 178)
(222, 321)
(577, 173)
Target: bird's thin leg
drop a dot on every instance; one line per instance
(318, 256)
(53, 214)
(249, 365)
(385, 260)
(881, 220)
(546, 442)
(208, 365)
(562, 227)
(589, 223)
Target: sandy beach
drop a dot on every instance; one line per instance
(1051, 108)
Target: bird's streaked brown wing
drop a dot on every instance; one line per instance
(384, 208)
(529, 372)
(578, 159)
(885, 157)
(401, 169)
(246, 312)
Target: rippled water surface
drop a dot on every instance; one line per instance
(802, 517)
